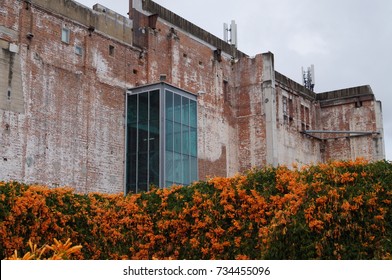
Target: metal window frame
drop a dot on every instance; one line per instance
(67, 31)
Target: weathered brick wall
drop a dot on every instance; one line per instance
(12, 119)
(68, 127)
(351, 116)
(189, 64)
(250, 113)
(72, 129)
(296, 113)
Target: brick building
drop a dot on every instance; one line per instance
(102, 102)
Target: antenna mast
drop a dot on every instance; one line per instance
(233, 33)
(309, 78)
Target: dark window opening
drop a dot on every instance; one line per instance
(358, 104)
(226, 90)
(111, 50)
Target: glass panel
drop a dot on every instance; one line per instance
(193, 169)
(177, 168)
(169, 135)
(169, 166)
(142, 187)
(132, 109)
(169, 105)
(177, 108)
(144, 123)
(185, 166)
(142, 170)
(185, 139)
(131, 188)
(154, 168)
(154, 105)
(193, 142)
(185, 110)
(143, 106)
(65, 35)
(143, 137)
(132, 138)
(177, 137)
(154, 136)
(142, 156)
(192, 113)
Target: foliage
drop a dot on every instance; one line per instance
(59, 251)
(338, 210)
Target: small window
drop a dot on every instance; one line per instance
(78, 50)
(65, 35)
(358, 104)
(111, 50)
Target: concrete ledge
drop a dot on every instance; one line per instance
(345, 93)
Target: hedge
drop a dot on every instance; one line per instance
(338, 210)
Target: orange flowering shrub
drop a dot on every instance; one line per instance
(339, 210)
(59, 251)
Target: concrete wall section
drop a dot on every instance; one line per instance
(269, 105)
(378, 140)
(11, 95)
(352, 114)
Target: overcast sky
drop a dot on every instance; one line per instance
(348, 41)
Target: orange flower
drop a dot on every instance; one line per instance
(242, 257)
(387, 201)
(346, 206)
(237, 225)
(316, 225)
(194, 243)
(379, 217)
(237, 241)
(321, 200)
(347, 177)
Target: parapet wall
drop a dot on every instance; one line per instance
(343, 96)
(294, 86)
(189, 27)
(99, 19)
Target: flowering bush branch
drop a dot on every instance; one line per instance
(338, 210)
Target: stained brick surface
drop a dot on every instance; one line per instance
(70, 130)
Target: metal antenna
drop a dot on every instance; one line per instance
(308, 77)
(233, 33)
